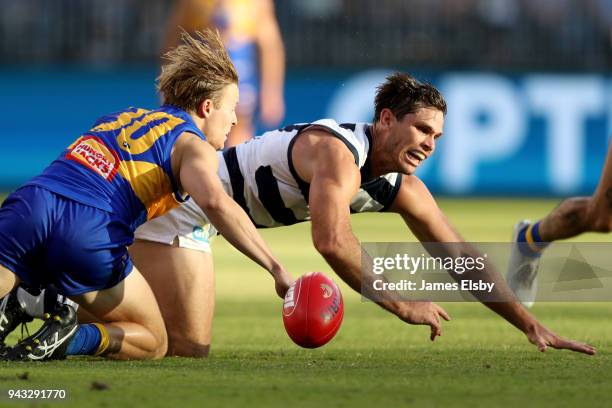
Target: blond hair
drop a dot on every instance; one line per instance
(196, 70)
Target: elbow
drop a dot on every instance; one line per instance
(328, 247)
(211, 205)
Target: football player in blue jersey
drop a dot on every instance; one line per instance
(323, 172)
(70, 226)
(572, 217)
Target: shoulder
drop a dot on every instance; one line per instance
(190, 145)
(413, 196)
(353, 136)
(317, 155)
(413, 187)
(317, 145)
(189, 138)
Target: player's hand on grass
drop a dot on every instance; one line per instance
(544, 338)
(425, 313)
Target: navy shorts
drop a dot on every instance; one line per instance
(48, 239)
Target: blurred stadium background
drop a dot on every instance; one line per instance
(527, 82)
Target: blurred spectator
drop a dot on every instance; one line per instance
(314, 9)
(344, 34)
(254, 43)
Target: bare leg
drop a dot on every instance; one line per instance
(132, 318)
(572, 217)
(599, 211)
(86, 317)
(184, 285)
(8, 281)
(567, 220)
(581, 214)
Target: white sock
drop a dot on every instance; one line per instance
(66, 301)
(33, 305)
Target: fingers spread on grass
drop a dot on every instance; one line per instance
(575, 346)
(443, 313)
(436, 329)
(540, 343)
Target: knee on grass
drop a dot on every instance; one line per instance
(157, 348)
(185, 347)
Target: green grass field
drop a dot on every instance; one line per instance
(375, 360)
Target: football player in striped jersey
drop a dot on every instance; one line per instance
(320, 172)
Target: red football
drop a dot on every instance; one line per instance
(312, 310)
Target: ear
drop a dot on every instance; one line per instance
(387, 118)
(205, 108)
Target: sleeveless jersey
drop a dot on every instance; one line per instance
(260, 176)
(123, 164)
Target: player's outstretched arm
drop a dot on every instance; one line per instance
(334, 179)
(421, 213)
(197, 170)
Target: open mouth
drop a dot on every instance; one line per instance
(415, 157)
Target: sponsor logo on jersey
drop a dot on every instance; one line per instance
(91, 152)
(201, 234)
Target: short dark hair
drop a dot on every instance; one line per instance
(404, 94)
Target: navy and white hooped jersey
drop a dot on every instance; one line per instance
(260, 176)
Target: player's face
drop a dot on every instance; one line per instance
(221, 118)
(413, 138)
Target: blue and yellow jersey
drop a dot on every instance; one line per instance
(123, 164)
